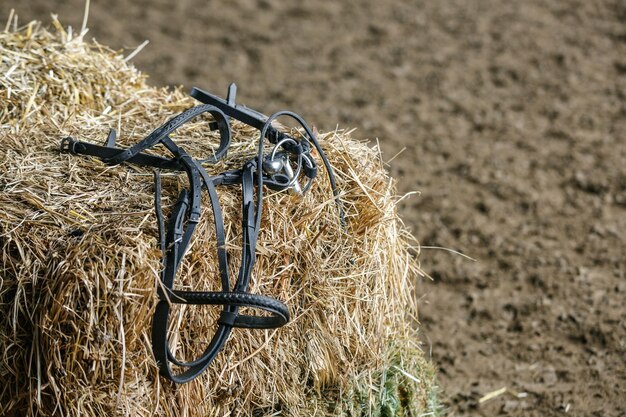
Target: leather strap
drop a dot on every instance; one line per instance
(175, 234)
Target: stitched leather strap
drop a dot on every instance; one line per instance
(170, 126)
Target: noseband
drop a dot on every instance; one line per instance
(273, 170)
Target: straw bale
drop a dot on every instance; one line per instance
(80, 260)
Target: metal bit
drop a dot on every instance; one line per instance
(273, 166)
(295, 188)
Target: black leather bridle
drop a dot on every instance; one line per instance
(273, 170)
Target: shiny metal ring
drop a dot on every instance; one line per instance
(280, 143)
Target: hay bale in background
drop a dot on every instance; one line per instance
(80, 261)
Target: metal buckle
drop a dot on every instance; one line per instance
(68, 144)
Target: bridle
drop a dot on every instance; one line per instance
(273, 170)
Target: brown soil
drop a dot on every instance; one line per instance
(513, 116)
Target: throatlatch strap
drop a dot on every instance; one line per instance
(175, 234)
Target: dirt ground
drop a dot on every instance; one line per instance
(512, 117)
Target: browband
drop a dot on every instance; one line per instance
(273, 170)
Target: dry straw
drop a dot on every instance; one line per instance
(80, 261)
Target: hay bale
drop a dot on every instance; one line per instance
(80, 261)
